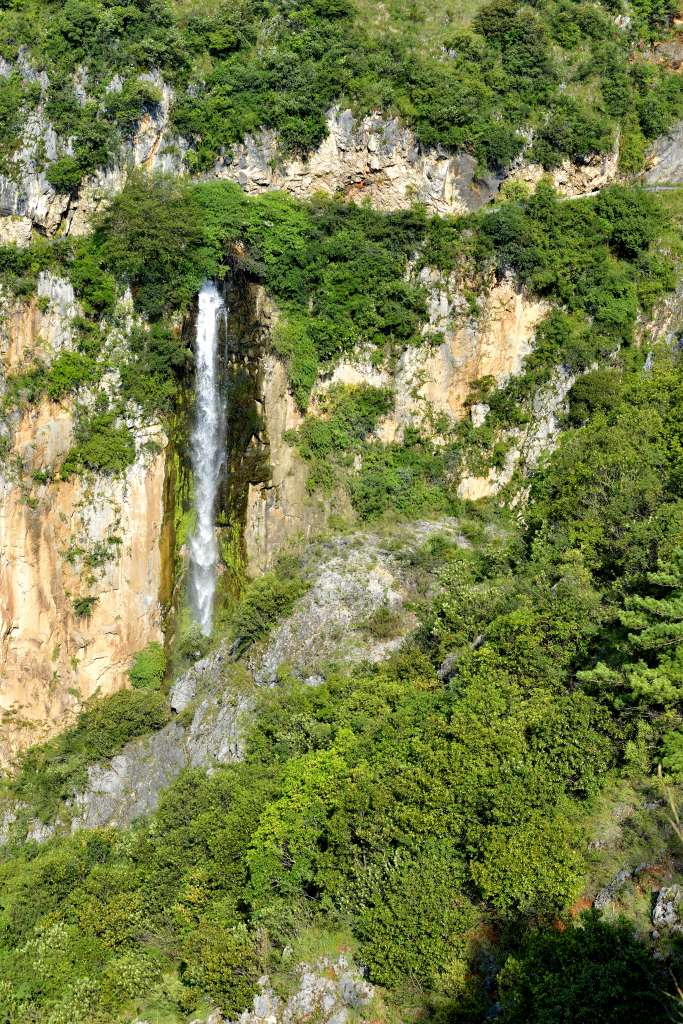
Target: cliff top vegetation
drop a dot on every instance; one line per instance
(562, 72)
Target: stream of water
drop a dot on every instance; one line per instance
(206, 453)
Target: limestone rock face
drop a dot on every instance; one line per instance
(492, 346)
(51, 658)
(437, 379)
(358, 607)
(130, 787)
(375, 159)
(574, 179)
(527, 444)
(666, 912)
(666, 159)
(217, 699)
(665, 321)
(91, 538)
(39, 328)
(328, 992)
(281, 508)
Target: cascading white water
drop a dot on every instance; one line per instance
(207, 451)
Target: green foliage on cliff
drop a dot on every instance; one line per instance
(330, 439)
(149, 668)
(595, 973)
(560, 67)
(347, 277)
(265, 600)
(102, 444)
(426, 802)
(55, 770)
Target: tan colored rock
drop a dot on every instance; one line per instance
(494, 345)
(43, 436)
(90, 537)
(282, 508)
(51, 660)
(375, 159)
(40, 328)
(574, 179)
(15, 230)
(430, 380)
(528, 444)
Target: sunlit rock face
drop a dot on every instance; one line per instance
(666, 159)
(374, 159)
(91, 536)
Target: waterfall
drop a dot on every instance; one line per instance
(206, 454)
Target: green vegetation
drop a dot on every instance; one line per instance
(595, 973)
(442, 796)
(54, 771)
(413, 478)
(344, 278)
(344, 418)
(100, 445)
(149, 668)
(472, 78)
(265, 600)
(341, 275)
(439, 807)
(68, 372)
(83, 606)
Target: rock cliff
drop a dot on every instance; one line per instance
(81, 570)
(374, 158)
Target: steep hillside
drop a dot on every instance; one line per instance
(341, 568)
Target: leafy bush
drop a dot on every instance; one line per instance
(529, 867)
(65, 175)
(149, 668)
(414, 478)
(596, 971)
(266, 599)
(410, 926)
(100, 446)
(346, 415)
(223, 962)
(69, 371)
(83, 606)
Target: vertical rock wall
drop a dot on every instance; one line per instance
(92, 542)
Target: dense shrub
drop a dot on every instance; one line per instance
(101, 446)
(265, 600)
(244, 66)
(414, 478)
(149, 668)
(593, 971)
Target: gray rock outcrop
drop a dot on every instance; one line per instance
(666, 157)
(327, 992)
(130, 786)
(666, 915)
(353, 579)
